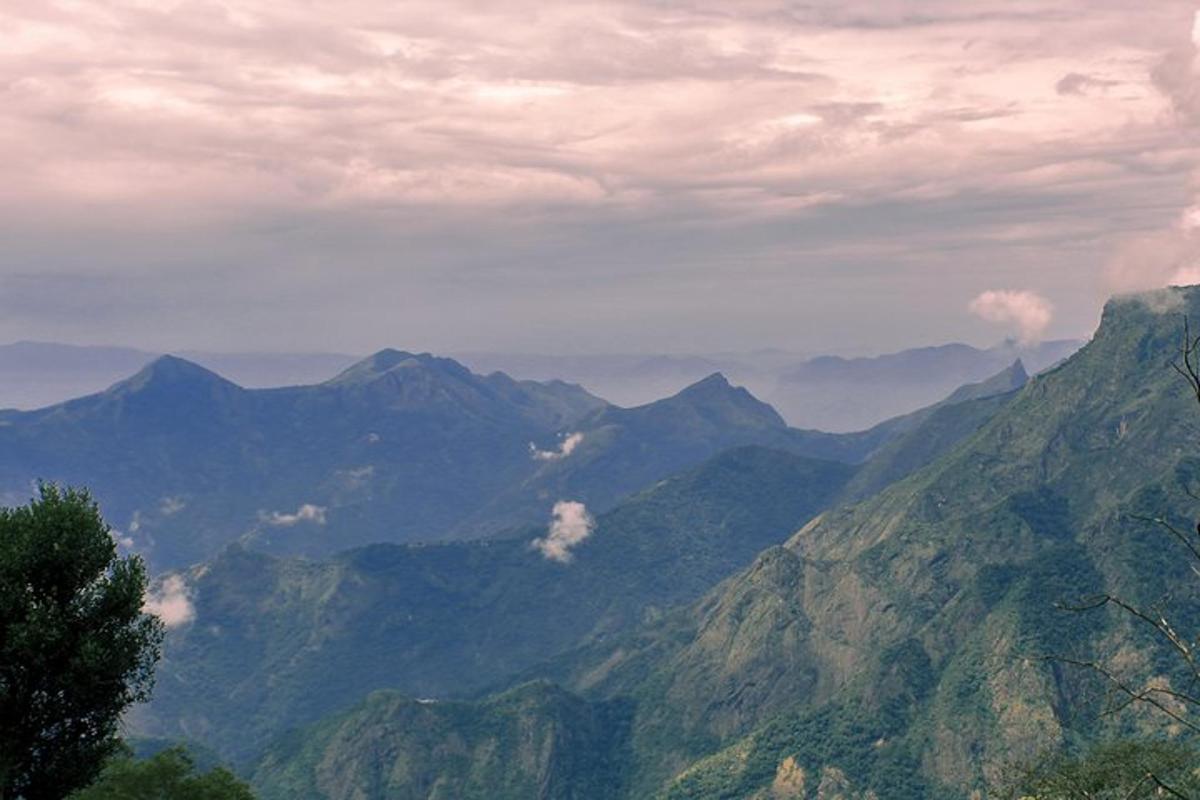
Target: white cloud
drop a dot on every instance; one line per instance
(171, 602)
(1190, 220)
(171, 505)
(570, 525)
(1167, 258)
(1028, 311)
(565, 448)
(305, 513)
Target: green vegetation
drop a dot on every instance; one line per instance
(169, 775)
(453, 619)
(780, 671)
(534, 741)
(1115, 771)
(75, 648)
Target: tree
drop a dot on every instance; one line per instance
(1119, 771)
(170, 774)
(76, 649)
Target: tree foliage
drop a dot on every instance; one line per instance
(1117, 771)
(76, 648)
(170, 775)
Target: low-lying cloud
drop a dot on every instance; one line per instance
(565, 448)
(1166, 258)
(570, 525)
(1170, 256)
(171, 602)
(1028, 311)
(306, 513)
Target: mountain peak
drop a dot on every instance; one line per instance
(1007, 380)
(389, 358)
(714, 382)
(172, 371)
(389, 361)
(716, 396)
(1014, 376)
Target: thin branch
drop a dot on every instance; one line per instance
(1166, 788)
(1146, 695)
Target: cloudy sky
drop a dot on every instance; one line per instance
(637, 175)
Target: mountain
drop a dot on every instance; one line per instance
(830, 393)
(37, 374)
(618, 451)
(897, 641)
(848, 394)
(894, 646)
(919, 438)
(629, 379)
(826, 393)
(535, 741)
(452, 619)
(396, 448)
(279, 641)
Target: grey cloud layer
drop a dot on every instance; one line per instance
(262, 163)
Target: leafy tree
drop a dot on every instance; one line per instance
(1120, 771)
(170, 775)
(76, 648)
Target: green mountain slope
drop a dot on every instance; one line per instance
(925, 435)
(535, 742)
(896, 641)
(278, 641)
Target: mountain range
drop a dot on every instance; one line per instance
(893, 646)
(399, 447)
(829, 393)
(414, 581)
(451, 620)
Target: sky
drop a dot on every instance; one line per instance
(609, 176)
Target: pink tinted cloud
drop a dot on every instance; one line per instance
(207, 108)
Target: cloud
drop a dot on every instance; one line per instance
(658, 155)
(171, 505)
(571, 524)
(1079, 84)
(1028, 311)
(1169, 256)
(352, 479)
(306, 513)
(171, 602)
(1178, 76)
(1166, 258)
(565, 448)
